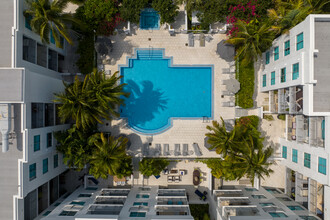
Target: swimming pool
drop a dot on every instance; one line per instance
(161, 91)
(149, 19)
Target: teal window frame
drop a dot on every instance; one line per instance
(28, 19)
(264, 80)
(137, 214)
(278, 214)
(300, 41)
(45, 165)
(51, 37)
(49, 139)
(267, 57)
(322, 167)
(33, 171)
(276, 53)
(295, 155)
(36, 143)
(284, 152)
(272, 81)
(307, 160)
(295, 71)
(295, 207)
(55, 160)
(286, 47)
(283, 75)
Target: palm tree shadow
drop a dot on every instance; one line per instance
(143, 103)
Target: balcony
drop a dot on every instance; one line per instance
(291, 126)
(104, 210)
(109, 200)
(283, 104)
(171, 192)
(172, 201)
(273, 101)
(302, 129)
(233, 201)
(172, 211)
(114, 192)
(232, 211)
(317, 131)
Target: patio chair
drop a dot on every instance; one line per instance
(190, 39)
(176, 179)
(185, 150)
(170, 179)
(146, 149)
(228, 104)
(227, 93)
(166, 150)
(202, 40)
(177, 151)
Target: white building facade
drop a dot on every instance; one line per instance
(296, 77)
(30, 74)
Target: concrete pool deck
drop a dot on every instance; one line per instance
(182, 131)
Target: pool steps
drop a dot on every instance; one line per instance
(149, 54)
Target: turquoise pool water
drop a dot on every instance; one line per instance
(149, 19)
(161, 91)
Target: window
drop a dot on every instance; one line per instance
(85, 195)
(267, 57)
(33, 171)
(322, 165)
(295, 71)
(137, 214)
(308, 217)
(295, 155)
(274, 191)
(49, 114)
(49, 140)
(77, 203)
(52, 60)
(264, 204)
(29, 49)
(272, 82)
(287, 48)
(300, 41)
(28, 19)
(143, 196)
(284, 152)
(140, 203)
(264, 83)
(45, 166)
(36, 143)
(278, 214)
(259, 196)
(41, 55)
(276, 53)
(307, 160)
(67, 213)
(251, 189)
(283, 75)
(52, 39)
(55, 160)
(295, 207)
(37, 114)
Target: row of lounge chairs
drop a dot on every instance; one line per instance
(179, 150)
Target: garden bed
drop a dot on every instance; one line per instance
(200, 211)
(245, 75)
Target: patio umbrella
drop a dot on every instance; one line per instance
(232, 85)
(103, 45)
(226, 51)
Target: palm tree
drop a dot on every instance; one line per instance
(254, 159)
(48, 16)
(252, 39)
(152, 166)
(90, 101)
(223, 141)
(108, 156)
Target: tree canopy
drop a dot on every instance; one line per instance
(152, 166)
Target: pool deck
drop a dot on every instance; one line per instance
(182, 131)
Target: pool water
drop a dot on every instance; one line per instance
(161, 92)
(149, 19)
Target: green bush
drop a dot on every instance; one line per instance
(86, 51)
(252, 119)
(199, 211)
(130, 10)
(281, 117)
(167, 9)
(245, 75)
(152, 166)
(269, 117)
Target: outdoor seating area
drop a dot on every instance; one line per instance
(174, 175)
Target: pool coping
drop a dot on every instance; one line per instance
(170, 120)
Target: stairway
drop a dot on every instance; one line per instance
(149, 54)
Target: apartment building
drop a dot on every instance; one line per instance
(296, 78)
(246, 202)
(123, 203)
(30, 74)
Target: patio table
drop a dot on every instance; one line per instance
(196, 177)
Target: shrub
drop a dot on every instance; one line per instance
(269, 117)
(245, 75)
(252, 120)
(130, 10)
(86, 51)
(199, 211)
(281, 117)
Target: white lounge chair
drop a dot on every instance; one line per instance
(185, 150)
(166, 150)
(197, 149)
(177, 151)
(158, 149)
(228, 104)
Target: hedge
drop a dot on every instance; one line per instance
(245, 75)
(252, 119)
